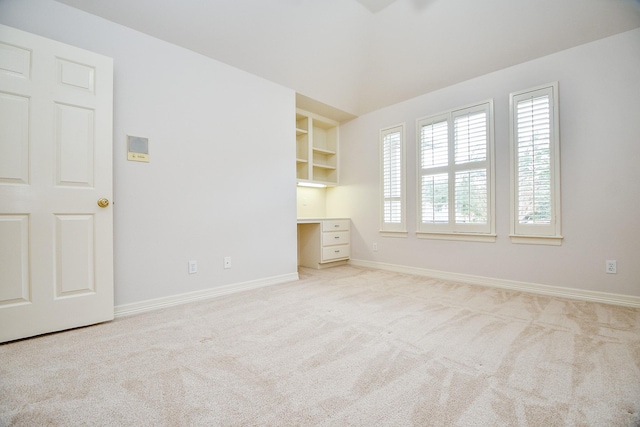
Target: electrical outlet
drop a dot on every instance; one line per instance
(610, 266)
(375, 247)
(193, 267)
(227, 262)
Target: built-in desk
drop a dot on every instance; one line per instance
(323, 242)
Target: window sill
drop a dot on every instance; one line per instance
(467, 237)
(387, 233)
(536, 240)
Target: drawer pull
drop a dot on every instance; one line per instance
(336, 237)
(337, 251)
(336, 225)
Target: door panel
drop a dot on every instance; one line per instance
(14, 134)
(74, 145)
(14, 61)
(56, 243)
(78, 76)
(14, 262)
(74, 255)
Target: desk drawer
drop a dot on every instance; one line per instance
(331, 253)
(335, 225)
(330, 238)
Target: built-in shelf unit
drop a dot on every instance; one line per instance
(316, 149)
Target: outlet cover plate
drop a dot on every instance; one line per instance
(610, 266)
(193, 267)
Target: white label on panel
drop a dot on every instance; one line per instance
(15, 287)
(76, 75)
(74, 255)
(15, 61)
(74, 145)
(14, 139)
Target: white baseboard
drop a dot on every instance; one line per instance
(158, 303)
(603, 297)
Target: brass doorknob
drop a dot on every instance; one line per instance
(103, 203)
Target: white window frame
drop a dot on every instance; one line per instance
(393, 229)
(541, 234)
(452, 230)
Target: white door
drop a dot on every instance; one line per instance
(56, 243)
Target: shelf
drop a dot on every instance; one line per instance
(302, 161)
(316, 165)
(323, 151)
(301, 131)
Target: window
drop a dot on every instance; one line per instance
(535, 166)
(455, 174)
(392, 163)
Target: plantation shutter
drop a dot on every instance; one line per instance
(434, 149)
(434, 141)
(534, 160)
(470, 137)
(471, 147)
(392, 179)
(535, 163)
(455, 182)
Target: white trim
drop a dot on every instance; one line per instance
(387, 233)
(467, 237)
(205, 294)
(534, 288)
(537, 240)
(311, 184)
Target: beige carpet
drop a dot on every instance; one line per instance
(342, 347)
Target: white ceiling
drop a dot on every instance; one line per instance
(361, 55)
(375, 5)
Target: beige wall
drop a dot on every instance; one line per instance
(600, 150)
(212, 188)
(312, 202)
